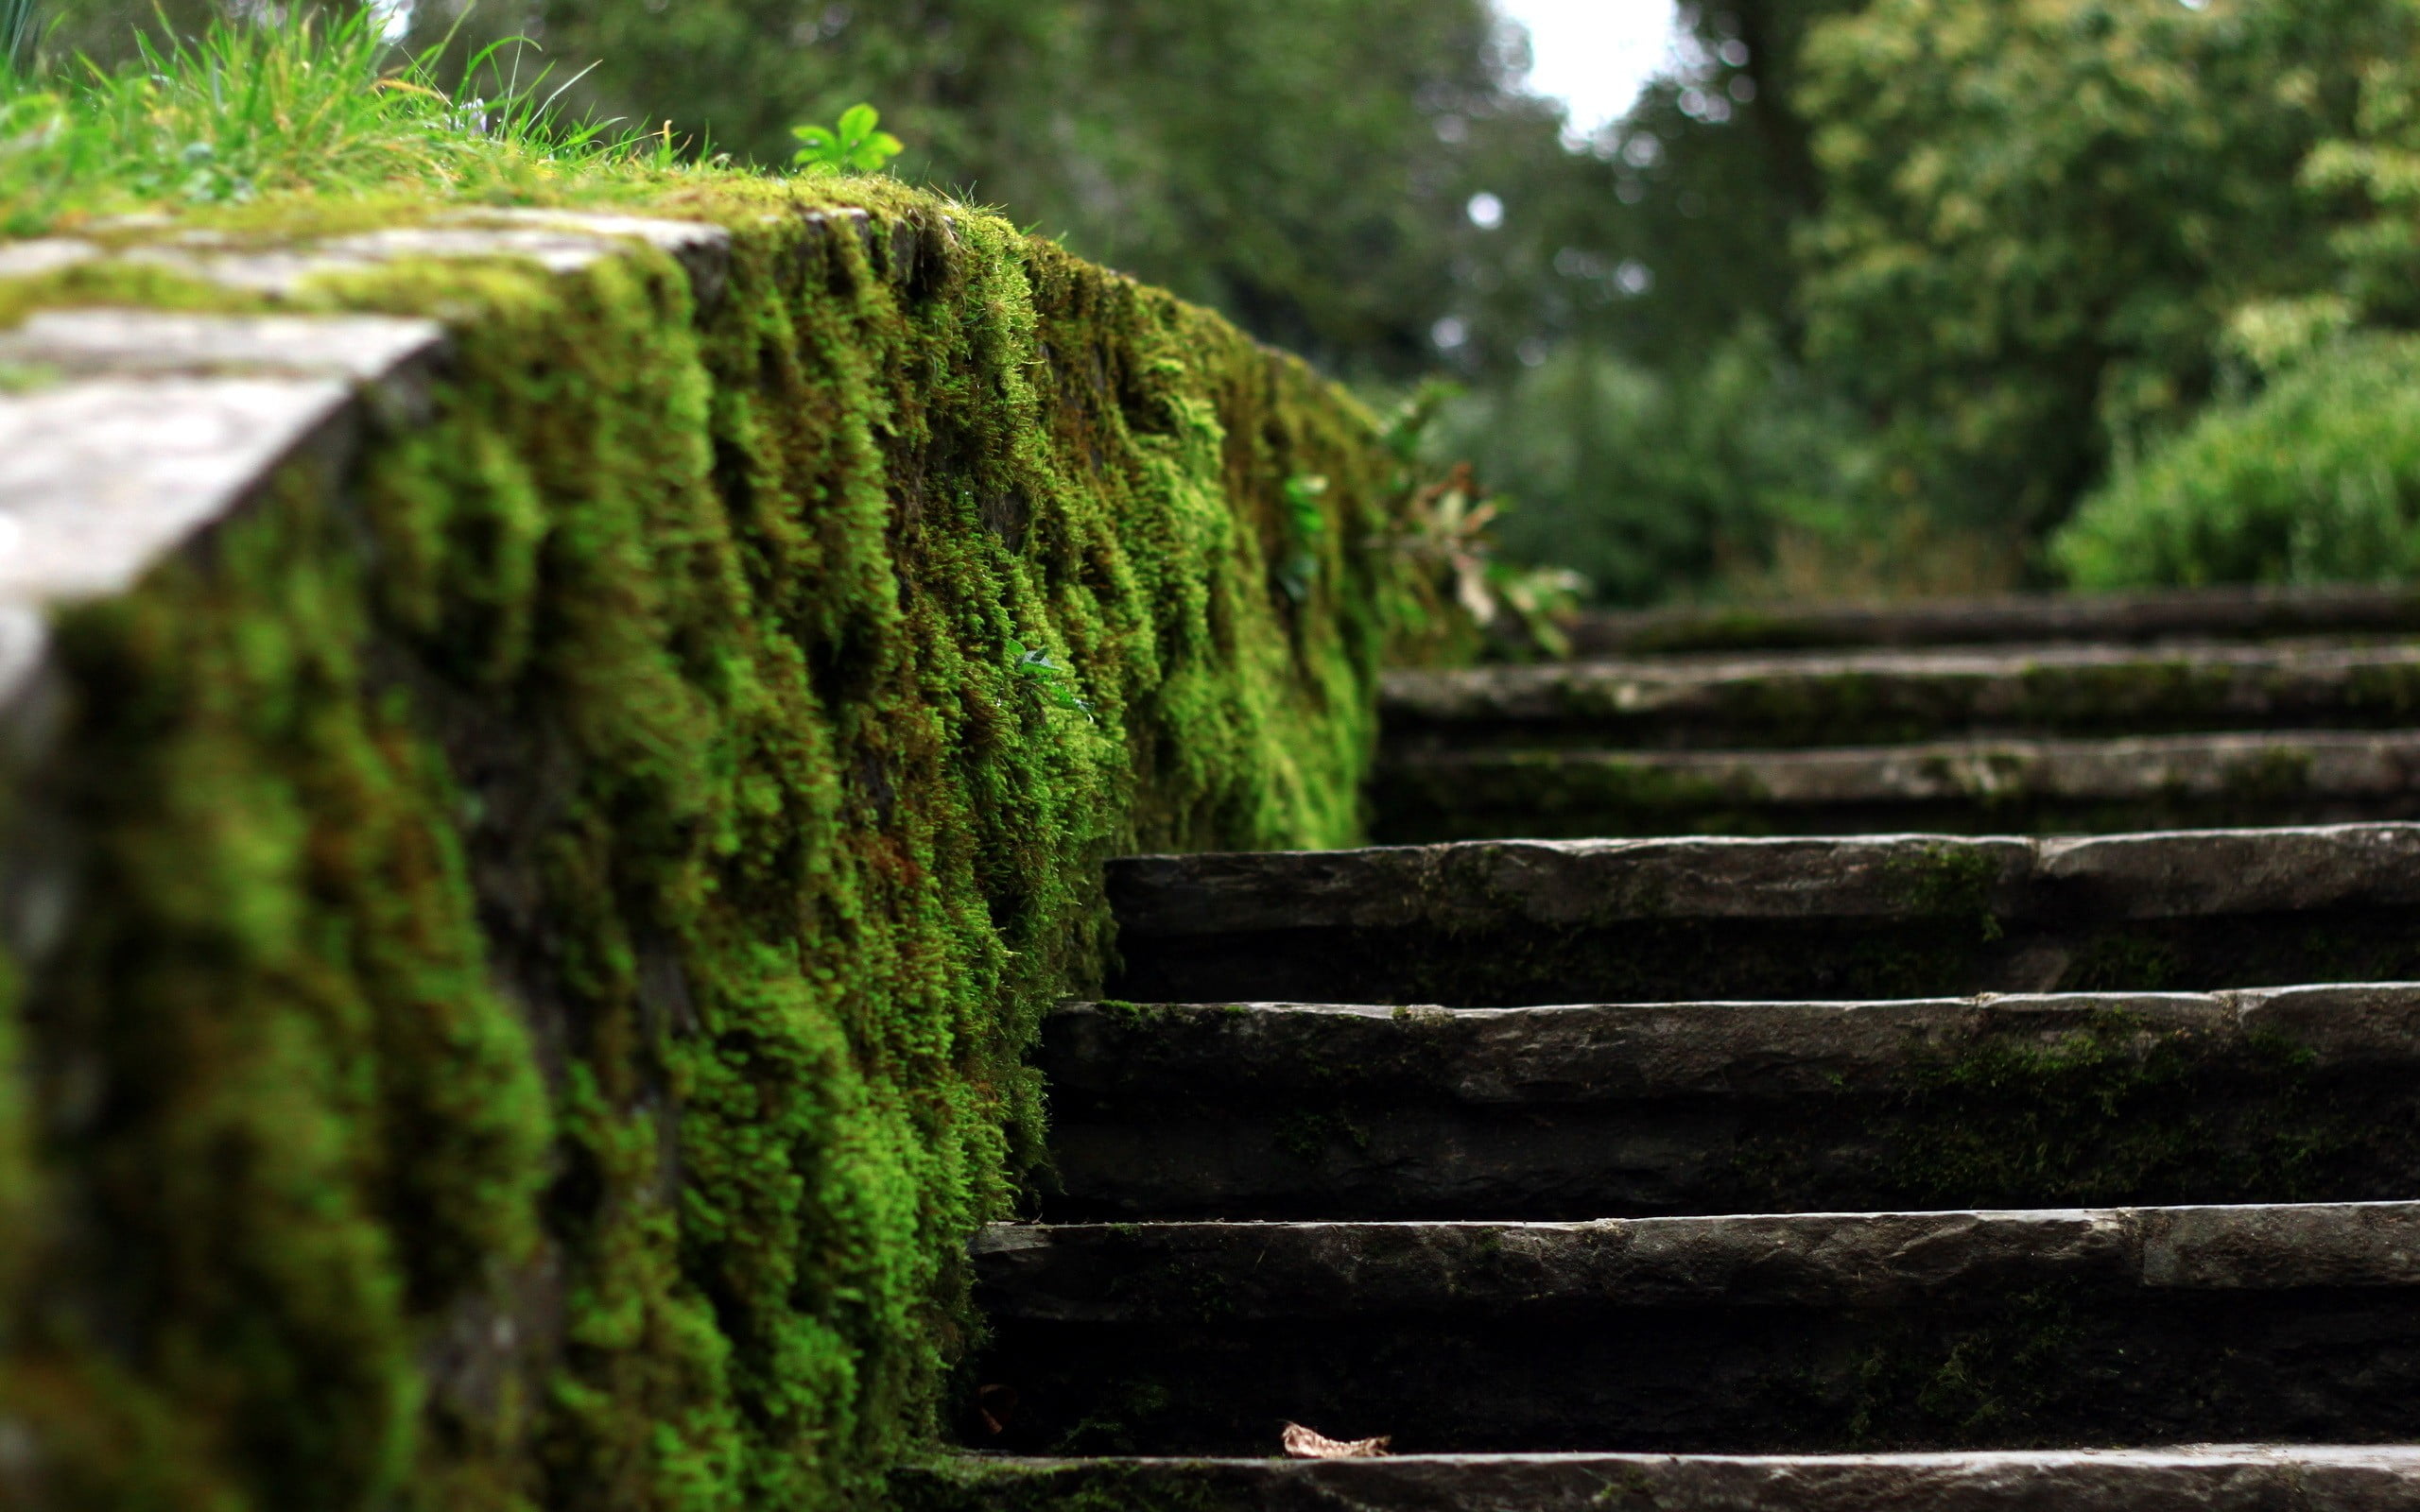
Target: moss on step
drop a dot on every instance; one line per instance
(564, 911)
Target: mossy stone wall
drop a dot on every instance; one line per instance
(555, 917)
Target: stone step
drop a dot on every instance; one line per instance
(1962, 787)
(2243, 613)
(1298, 1111)
(2201, 1478)
(1766, 1333)
(1508, 923)
(1885, 697)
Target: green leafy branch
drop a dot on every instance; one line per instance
(855, 146)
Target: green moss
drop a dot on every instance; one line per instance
(559, 992)
(2106, 1110)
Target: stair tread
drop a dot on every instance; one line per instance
(2238, 611)
(2312, 1477)
(2147, 875)
(1816, 699)
(2336, 760)
(1563, 1053)
(1976, 783)
(1127, 1272)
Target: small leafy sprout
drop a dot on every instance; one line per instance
(1048, 678)
(855, 146)
(1304, 528)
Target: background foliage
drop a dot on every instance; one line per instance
(1861, 296)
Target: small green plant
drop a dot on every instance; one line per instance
(855, 146)
(1048, 678)
(1305, 528)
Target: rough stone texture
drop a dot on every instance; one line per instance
(160, 424)
(1965, 786)
(1272, 1110)
(2217, 1478)
(1505, 923)
(1104, 1273)
(2117, 617)
(1809, 1332)
(1799, 700)
(556, 240)
(1590, 1053)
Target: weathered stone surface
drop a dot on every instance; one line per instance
(560, 241)
(1803, 700)
(1104, 1273)
(1969, 787)
(2198, 1479)
(1276, 1111)
(1585, 1053)
(2214, 1478)
(366, 348)
(131, 453)
(47, 254)
(2211, 612)
(1813, 1332)
(1504, 923)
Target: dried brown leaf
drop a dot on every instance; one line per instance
(1301, 1443)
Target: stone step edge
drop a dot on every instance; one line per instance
(2311, 1478)
(2283, 683)
(1471, 885)
(2252, 765)
(1155, 1272)
(1567, 1054)
(2132, 617)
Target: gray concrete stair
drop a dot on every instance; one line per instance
(1304, 1110)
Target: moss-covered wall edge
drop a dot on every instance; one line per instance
(557, 913)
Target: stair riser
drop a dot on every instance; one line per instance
(2095, 1135)
(1662, 960)
(2043, 1367)
(1276, 1111)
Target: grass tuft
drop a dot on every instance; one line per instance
(309, 102)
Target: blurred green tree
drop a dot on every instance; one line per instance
(1305, 165)
(2037, 215)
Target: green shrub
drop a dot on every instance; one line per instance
(2316, 479)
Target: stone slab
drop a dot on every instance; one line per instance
(1812, 1332)
(160, 424)
(1127, 1272)
(1143, 1055)
(1505, 923)
(1286, 1110)
(1895, 696)
(2159, 874)
(2241, 612)
(2201, 1478)
(1971, 786)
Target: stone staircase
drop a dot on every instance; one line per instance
(2052, 1160)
